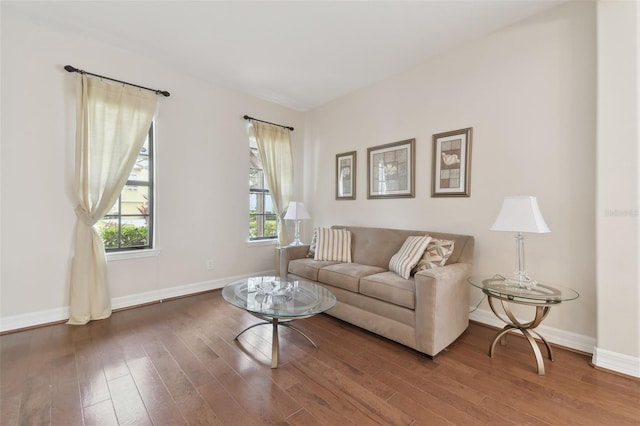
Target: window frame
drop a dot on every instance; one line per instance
(261, 194)
(150, 215)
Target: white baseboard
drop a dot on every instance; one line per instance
(614, 361)
(31, 319)
(48, 316)
(601, 358)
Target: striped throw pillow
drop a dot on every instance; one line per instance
(408, 255)
(334, 245)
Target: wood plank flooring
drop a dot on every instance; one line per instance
(176, 363)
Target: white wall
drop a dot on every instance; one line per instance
(202, 179)
(529, 92)
(618, 203)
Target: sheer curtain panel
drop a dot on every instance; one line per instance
(274, 146)
(112, 122)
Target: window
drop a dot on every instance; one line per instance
(262, 217)
(129, 223)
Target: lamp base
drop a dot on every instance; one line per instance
(296, 237)
(521, 279)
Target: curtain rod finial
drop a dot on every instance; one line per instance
(70, 68)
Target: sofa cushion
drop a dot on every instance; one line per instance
(388, 286)
(375, 246)
(437, 253)
(377, 308)
(308, 268)
(333, 244)
(407, 257)
(346, 275)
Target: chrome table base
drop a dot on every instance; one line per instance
(525, 328)
(275, 343)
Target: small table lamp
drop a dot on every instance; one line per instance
(520, 214)
(296, 211)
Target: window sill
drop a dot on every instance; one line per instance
(261, 243)
(133, 254)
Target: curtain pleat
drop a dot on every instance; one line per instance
(274, 146)
(112, 123)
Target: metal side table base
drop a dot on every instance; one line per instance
(539, 296)
(525, 328)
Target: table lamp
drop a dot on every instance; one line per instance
(520, 214)
(296, 211)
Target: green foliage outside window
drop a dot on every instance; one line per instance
(132, 235)
(270, 225)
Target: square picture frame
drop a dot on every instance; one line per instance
(346, 176)
(451, 165)
(391, 170)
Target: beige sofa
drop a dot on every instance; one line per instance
(426, 312)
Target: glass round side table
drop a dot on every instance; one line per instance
(542, 297)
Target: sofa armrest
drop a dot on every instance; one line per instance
(289, 253)
(442, 306)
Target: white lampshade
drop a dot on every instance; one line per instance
(296, 211)
(520, 213)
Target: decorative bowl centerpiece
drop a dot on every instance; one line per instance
(274, 291)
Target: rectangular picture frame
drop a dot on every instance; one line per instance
(391, 170)
(346, 176)
(451, 170)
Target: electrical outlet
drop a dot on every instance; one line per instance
(210, 265)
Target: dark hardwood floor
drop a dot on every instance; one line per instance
(177, 363)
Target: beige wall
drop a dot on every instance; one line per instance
(202, 151)
(618, 203)
(529, 92)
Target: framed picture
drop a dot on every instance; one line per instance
(391, 170)
(451, 171)
(346, 176)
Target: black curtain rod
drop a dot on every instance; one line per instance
(246, 117)
(74, 69)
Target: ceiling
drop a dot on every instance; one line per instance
(300, 54)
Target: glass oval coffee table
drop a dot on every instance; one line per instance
(541, 296)
(277, 302)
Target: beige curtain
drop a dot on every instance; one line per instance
(112, 122)
(274, 146)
